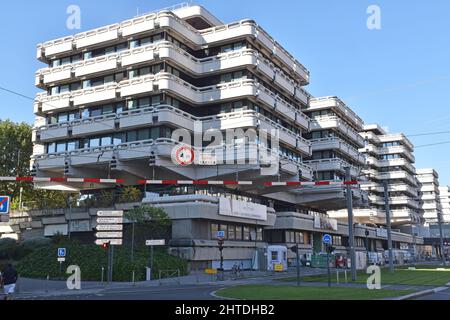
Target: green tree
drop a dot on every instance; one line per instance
(151, 222)
(16, 149)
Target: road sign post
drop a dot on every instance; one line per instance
(109, 234)
(220, 241)
(328, 241)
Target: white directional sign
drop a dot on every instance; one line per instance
(109, 235)
(113, 242)
(155, 242)
(110, 213)
(61, 259)
(109, 220)
(109, 227)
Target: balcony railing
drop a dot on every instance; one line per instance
(332, 164)
(337, 143)
(167, 19)
(163, 147)
(178, 118)
(350, 115)
(325, 122)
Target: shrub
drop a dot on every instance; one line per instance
(91, 259)
(130, 194)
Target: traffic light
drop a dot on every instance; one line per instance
(105, 245)
(220, 242)
(66, 167)
(113, 163)
(294, 248)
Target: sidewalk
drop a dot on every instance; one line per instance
(28, 288)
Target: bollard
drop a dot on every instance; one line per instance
(345, 276)
(46, 283)
(103, 271)
(179, 277)
(132, 278)
(337, 277)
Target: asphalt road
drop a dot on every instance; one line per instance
(443, 295)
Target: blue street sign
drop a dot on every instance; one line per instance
(4, 204)
(61, 252)
(327, 239)
(220, 234)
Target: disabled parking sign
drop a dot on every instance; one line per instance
(4, 204)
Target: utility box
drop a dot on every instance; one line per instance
(277, 258)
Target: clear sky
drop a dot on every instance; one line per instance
(398, 76)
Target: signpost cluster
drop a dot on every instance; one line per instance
(109, 234)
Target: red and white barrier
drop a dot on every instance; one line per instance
(180, 182)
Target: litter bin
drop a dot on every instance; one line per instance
(149, 274)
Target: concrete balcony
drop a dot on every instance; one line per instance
(339, 107)
(405, 201)
(97, 36)
(429, 188)
(371, 137)
(396, 137)
(335, 143)
(389, 150)
(168, 20)
(332, 165)
(168, 51)
(396, 175)
(333, 122)
(369, 213)
(397, 150)
(405, 216)
(162, 149)
(429, 206)
(405, 188)
(428, 197)
(251, 119)
(241, 88)
(391, 163)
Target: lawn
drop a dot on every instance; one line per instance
(268, 292)
(423, 275)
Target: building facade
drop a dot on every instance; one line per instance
(444, 194)
(114, 99)
(430, 200)
(389, 157)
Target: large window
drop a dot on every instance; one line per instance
(237, 232)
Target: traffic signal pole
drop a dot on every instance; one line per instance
(351, 237)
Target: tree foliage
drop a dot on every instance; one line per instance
(16, 149)
(152, 222)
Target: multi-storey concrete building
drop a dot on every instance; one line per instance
(335, 139)
(389, 158)
(430, 202)
(115, 95)
(444, 194)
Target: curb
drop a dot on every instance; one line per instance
(421, 293)
(214, 294)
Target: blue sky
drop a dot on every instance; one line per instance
(398, 76)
